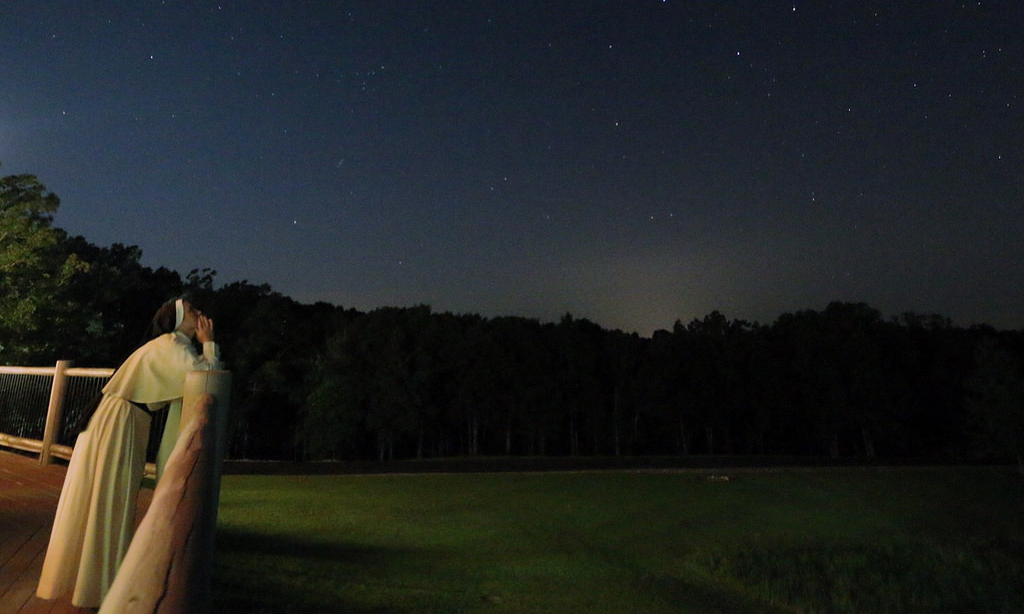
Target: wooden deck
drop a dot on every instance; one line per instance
(28, 500)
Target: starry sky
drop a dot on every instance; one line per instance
(632, 162)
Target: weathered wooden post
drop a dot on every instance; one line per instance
(218, 384)
(54, 411)
(167, 567)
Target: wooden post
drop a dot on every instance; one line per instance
(218, 384)
(55, 410)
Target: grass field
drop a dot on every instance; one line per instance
(827, 540)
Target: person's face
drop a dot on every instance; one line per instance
(190, 318)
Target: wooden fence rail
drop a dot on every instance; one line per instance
(48, 446)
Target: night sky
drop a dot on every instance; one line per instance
(631, 162)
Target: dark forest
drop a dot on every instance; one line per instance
(319, 381)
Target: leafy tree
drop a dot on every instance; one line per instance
(62, 297)
(714, 367)
(836, 374)
(516, 386)
(930, 359)
(376, 374)
(623, 352)
(103, 313)
(33, 270)
(271, 344)
(332, 425)
(661, 423)
(471, 389)
(996, 400)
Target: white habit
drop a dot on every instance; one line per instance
(96, 514)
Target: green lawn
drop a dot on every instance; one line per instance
(839, 540)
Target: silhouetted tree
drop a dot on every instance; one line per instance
(995, 400)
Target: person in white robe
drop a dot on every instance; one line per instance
(95, 516)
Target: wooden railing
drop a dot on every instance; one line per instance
(70, 389)
(48, 447)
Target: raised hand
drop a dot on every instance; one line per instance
(204, 329)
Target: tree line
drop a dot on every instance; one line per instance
(318, 381)
(840, 382)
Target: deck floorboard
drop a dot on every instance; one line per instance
(28, 500)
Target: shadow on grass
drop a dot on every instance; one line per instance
(257, 573)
